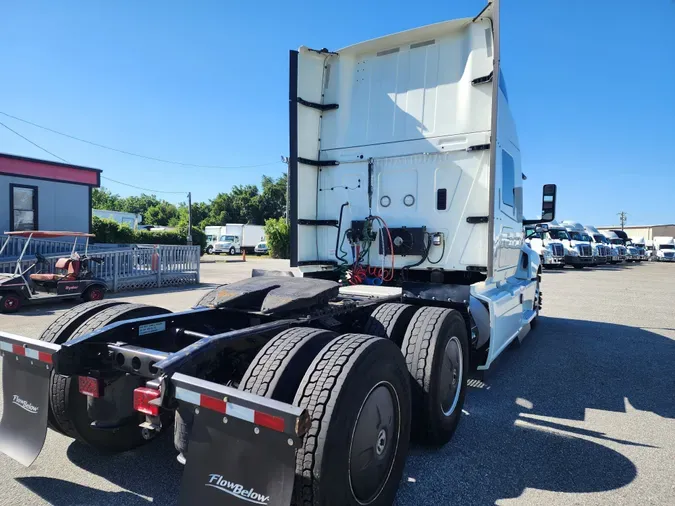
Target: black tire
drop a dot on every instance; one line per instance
(10, 303)
(61, 329)
(340, 391)
(70, 407)
(390, 320)
(209, 250)
(430, 332)
(278, 368)
(94, 293)
(233, 251)
(578, 266)
(210, 297)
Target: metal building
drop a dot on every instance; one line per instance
(42, 195)
(646, 231)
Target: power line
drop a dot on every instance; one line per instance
(28, 140)
(140, 188)
(64, 160)
(136, 154)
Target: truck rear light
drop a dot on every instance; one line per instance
(91, 387)
(142, 401)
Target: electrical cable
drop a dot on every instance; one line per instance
(161, 160)
(442, 254)
(30, 141)
(66, 161)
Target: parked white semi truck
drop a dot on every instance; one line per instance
(617, 244)
(601, 245)
(639, 243)
(406, 222)
(580, 237)
(578, 253)
(551, 253)
(665, 249)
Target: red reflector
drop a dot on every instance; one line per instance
(269, 421)
(90, 386)
(19, 350)
(212, 403)
(44, 357)
(142, 398)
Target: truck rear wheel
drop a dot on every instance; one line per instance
(436, 352)
(390, 320)
(61, 329)
(70, 406)
(357, 393)
(278, 368)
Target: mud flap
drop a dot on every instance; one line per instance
(26, 367)
(241, 446)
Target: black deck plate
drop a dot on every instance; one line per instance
(271, 294)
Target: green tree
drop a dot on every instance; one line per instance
(163, 213)
(278, 237)
(102, 198)
(273, 197)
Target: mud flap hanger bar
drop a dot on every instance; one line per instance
(241, 447)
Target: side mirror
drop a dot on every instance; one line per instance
(548, 203)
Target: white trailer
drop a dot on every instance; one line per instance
(132, 220)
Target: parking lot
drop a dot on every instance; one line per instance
(582, 412)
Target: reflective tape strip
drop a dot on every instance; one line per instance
(240, 412)
(26, 352)
(188, 396)
(234, 410)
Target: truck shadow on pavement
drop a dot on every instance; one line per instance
(148, 475)
(523, 425)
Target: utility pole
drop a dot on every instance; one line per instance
(623, 217)
(189, 231)
(286, 160)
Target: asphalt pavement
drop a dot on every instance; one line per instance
(582, 412)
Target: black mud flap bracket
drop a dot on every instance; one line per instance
(241, 446)
(26, 368)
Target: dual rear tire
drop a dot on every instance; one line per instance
(366, 396)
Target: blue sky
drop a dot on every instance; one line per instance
(591, 84)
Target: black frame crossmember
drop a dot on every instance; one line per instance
(314, 105)
(318, 163)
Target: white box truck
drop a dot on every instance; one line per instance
(236, 237)
(406, 222)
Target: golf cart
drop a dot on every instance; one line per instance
(72, 280)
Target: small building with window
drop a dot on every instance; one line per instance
(43, 195)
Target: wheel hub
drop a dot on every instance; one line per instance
(381, 442)
(374, 443)
(450, 377)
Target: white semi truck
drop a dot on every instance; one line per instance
(578, 254)
(551, 252)
(580, 238)
(640, 245)
(665, 249)
(406, 223)
(601, 245)
(617, 244)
